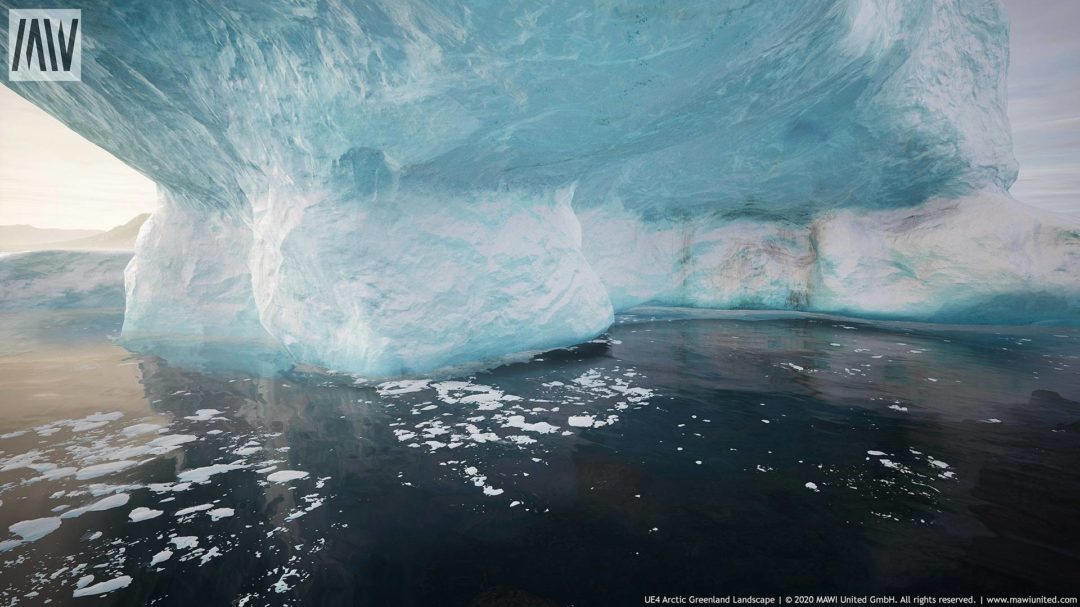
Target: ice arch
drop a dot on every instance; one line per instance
(391, 186)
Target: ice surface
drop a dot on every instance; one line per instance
(581, 421)
(394, 186)
(62, 279)
(982, 257)
(220, 513)
(96, 504)
(184, 541)
(194, 509)
(105, 503)
(284, 476)
(36, 528)
(161, 557)
(136, 429)
(203, 474)
(143, 514)
(104, 469)
(103, 587)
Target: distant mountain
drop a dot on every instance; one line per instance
(23, 237)
(120, 238)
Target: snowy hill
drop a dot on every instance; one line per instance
(22, 237)
(29, 238)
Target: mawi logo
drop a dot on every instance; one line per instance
(44, 44)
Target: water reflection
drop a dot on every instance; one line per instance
(680, 455)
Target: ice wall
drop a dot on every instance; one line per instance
(979, 258)
(392, 186)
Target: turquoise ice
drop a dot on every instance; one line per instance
(389, 187)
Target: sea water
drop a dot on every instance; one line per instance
(682, 452)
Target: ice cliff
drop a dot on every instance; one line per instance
(392, 186)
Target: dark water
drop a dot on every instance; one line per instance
(940, 460)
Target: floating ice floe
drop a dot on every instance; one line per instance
(284, 476)
(106, 503)
(103, 587)
(35, 529)
(143, 514)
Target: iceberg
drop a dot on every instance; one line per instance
(395, 186)
(62, 279)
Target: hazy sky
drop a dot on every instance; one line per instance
(1044, 101)
(82, 186)
(52, 178)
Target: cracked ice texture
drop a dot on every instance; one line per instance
(393, 186)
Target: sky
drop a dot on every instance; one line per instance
(1044, 101)
(82, 186)
(51, 177)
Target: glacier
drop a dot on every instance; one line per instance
(396, 186)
